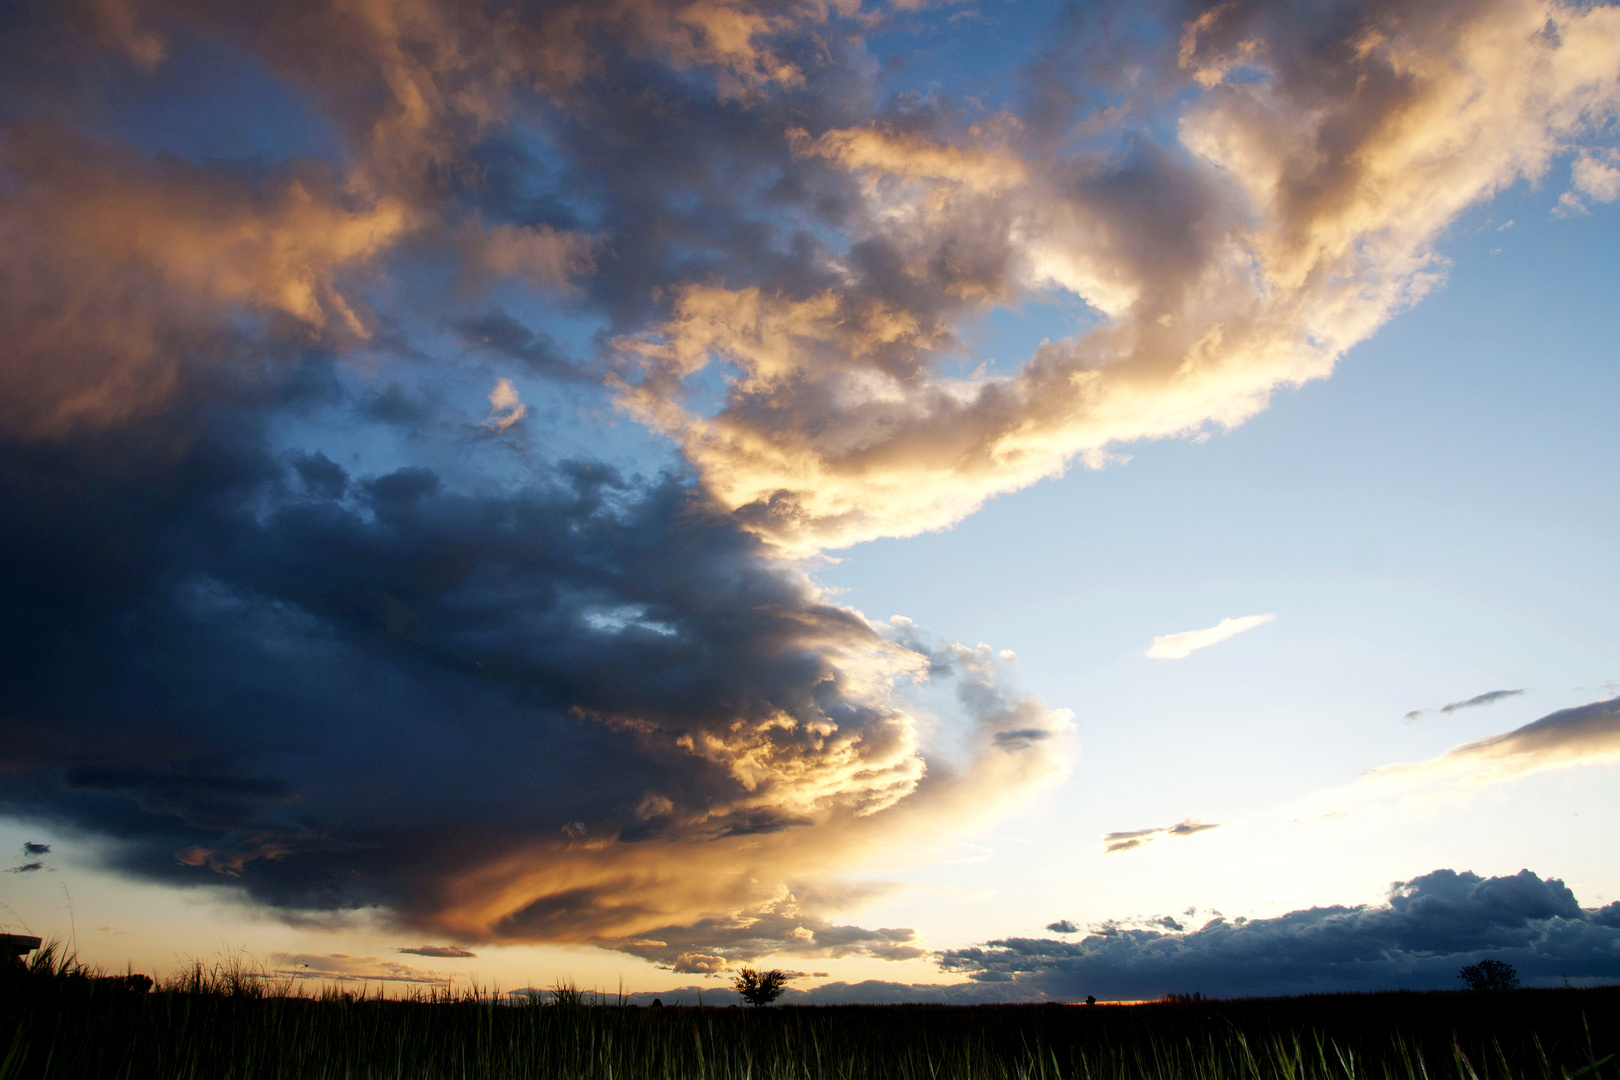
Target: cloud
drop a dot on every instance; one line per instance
(1294, 211)
(284, 624)
(505, 408)
(783, 929)
(866, 992)
(499, 333)
(1182, 645)
(1490, 697)
(761, 737)
(26, 868)
(1431, 926)
(31, 848)
(345, 968)
(1595, 175)
(675, 737)
(1135, 838)
(1063, 926)
(1583, 735)
(446, 951)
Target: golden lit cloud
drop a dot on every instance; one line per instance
(1302, 216)
(505, 407)
(811, 798)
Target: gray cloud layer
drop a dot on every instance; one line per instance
(1432, 926)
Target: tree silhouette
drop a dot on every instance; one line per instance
(760, 987)
(1489, 975)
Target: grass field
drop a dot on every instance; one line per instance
(218, 1023)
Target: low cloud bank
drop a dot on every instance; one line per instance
(1431, 926)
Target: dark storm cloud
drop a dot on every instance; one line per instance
(575, 705)
(570, 709)
(1063, 926)
(348, 690)
(1431, 926)
(31, 848)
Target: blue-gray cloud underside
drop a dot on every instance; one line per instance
(1431, 926)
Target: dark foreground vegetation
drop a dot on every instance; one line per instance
(221, 1023)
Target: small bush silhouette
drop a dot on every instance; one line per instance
(760, 987)
(1489, 975)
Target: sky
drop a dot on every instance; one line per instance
(964, 502)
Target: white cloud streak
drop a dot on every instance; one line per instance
(1182, 645)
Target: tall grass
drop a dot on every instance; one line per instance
(224, 1021)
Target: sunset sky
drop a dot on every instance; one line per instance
(957, 501)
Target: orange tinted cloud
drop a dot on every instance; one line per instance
(111, 260)
(1301, 217)
(813, 800)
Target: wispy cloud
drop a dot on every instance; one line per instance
(1490, 697)
(1184, 644)
(443, 951)
(1583, 735)
(1135, 838)
(347, 968)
